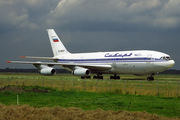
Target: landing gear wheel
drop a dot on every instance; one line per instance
(115, 77)
(98, 77)
(111, 77)
(83, 77)
(151, 78)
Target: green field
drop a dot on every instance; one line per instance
(164, 85)
(162, 106)
(131, 93)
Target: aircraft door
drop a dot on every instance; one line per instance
(149, 63)
(148, 60)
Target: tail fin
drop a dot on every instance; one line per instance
(56, 44)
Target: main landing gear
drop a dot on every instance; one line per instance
(98, 77)
(94, 77)
(150, 78)
(115, 77)
(87, 77)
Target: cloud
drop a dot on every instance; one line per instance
(25, 13)
(91, 15)
(149, 13)
(12, 15)
(169, 15)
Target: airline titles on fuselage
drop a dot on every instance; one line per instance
(118, 55)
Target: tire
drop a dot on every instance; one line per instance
(148, 78)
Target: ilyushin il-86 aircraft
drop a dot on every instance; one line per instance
(137, 62)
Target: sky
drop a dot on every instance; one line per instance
(88, 26)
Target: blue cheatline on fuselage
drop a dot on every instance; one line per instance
(144, 59)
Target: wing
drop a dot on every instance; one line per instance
(69, 65)
(43, 58)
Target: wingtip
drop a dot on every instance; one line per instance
(22, 56)
(8, 61)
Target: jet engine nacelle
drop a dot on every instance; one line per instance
(81, 72)
(47, 71)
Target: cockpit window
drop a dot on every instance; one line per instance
(166, 58)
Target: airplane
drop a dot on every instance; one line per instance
(137, 62)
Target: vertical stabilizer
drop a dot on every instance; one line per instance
(56, 44)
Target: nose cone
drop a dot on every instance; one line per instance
(161, 66)
(170, 63)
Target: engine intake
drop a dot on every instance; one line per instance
(81, 72)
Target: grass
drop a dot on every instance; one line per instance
(164, 85)
(162, 106)
(131, 93)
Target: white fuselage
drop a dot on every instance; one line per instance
(138, 62)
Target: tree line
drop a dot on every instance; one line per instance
(30, 70)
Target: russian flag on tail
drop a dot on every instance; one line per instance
(55, 40)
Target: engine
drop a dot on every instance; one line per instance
(81, 72)
(47, 71)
